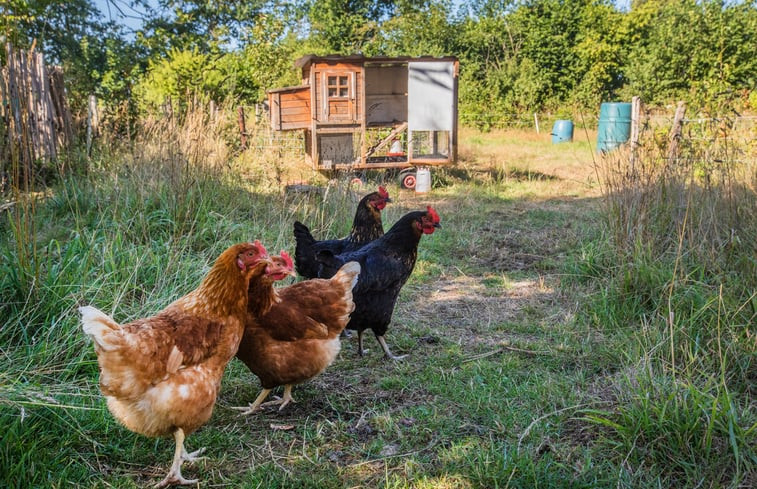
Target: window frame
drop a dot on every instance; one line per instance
(338, 86)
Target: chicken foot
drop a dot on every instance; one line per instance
(174, 475)
(192, 456)
(284, 400)
(255, 406)
(387, 351)
(258, 403)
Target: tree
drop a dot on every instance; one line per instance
(691, 50)
(414, 30)
(346, 26)
(70, 34)
(207, 26)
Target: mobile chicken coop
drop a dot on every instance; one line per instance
(362, 113)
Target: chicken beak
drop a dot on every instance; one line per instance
(438, 225)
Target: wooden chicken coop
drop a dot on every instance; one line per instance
(361, 113)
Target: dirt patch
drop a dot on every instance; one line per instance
(472, 314)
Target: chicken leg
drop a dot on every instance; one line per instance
(284, 400)
(174, 475)
(387, 351)
(255, 406)
(360, 350)
(258, 402)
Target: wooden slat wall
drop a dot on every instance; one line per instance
(294, 109)
(318, 91)
(33, 108)
(290, 109)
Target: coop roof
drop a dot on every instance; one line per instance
(308, 59)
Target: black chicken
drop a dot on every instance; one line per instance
(366, 226)
(386, 264)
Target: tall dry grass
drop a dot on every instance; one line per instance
(679, 275)
(700, 202)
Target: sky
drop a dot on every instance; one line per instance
(121, 12)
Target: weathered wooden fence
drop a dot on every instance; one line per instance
(36, 120)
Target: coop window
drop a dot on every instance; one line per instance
(338, 86)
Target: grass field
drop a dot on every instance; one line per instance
(536, 357)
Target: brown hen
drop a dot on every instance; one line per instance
(161, 375)
(298, 338)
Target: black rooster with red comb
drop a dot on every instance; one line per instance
(386, 264)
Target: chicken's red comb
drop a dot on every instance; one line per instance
(434, 216)
(287, 259)
(383, 193)
(260, 247)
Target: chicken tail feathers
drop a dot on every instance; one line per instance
(345, 280)
(99, 325)
(302, 233)
(304, 255)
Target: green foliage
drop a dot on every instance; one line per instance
(95, 56)
(344, 26)
(180, 76)
(193, 70)
(599, 48)
(516, 57)
(196, 24)
(422, 30)
(690, 50)
(267, 58)
(539, 54)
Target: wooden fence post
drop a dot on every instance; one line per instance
(635, 110)
(675, 132)
(37, 122)
(242, 128)
(93, 122)
(64, 125)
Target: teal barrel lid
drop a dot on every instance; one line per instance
(562, 131)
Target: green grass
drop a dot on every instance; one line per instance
(540, 354)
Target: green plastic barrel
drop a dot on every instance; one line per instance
(614, 126)
(562, 131)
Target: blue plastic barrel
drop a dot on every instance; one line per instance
(614, 126)
(562, 131)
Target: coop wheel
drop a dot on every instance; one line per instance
(356, 182)
(408, 180)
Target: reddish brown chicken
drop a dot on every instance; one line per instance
(298, 338)
(161, 375)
